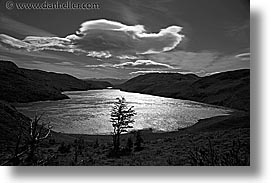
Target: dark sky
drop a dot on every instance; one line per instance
(128, 37)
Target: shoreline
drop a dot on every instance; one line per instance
(190, 129)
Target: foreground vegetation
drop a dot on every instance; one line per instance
(227, 148)
(221, 147)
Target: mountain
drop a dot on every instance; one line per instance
(61, 82)
(168, 84)
(94, 84)
(25, 85)
(229, 89)
(113, 81)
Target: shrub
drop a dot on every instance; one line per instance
(210, 156)
(138, 142)
(64, 148)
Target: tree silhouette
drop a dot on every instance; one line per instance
(29, 137)
(121, 119)
(37, 134)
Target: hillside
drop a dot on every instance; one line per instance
(10, 122)
(94, 84)
(228, 89)
(61, 82)
(112, 81)
(25, 85)
(16, 85)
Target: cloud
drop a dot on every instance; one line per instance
(99, 66)
(151, 71)
(189, 61)
(50, 43)
(243, 56)
(119, 48)
(103, 39)
(36, 43)
(103, 35)
(64, 63)
(143, 64)
(13, 42)
(138, 64)
(100, 54)
(18, 53)
(126, 57)
(201, 62)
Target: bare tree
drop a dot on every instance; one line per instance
(121, 119)
(37, 133)
(29, 136)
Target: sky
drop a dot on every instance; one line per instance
(126, 38)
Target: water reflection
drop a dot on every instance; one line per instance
(88, 112)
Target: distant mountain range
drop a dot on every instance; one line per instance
(229, 89)
(113, 81)
(94, 84)
(25, 85)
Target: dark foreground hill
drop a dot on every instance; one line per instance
(25, 85)
(228, 89)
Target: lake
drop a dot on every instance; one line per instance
(88, 112)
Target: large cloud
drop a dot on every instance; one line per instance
(104, 37)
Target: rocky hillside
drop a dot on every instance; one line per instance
(229, 89)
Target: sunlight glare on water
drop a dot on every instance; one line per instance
(88, 112)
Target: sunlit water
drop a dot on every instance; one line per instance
(88, 112)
